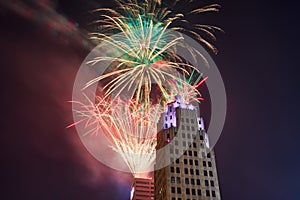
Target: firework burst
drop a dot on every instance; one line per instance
(187, 89)
(144, 34)
(145, 38)
(131, 129)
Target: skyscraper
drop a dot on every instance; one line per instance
(185, 169)
(142, 189)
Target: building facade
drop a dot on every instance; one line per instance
(142, 189)
(185, 166)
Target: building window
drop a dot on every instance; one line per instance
(196, 162)
(201, 137)
(192, 121)
(176, 142)
(191, 171)
(185, 161)
(172, 179)
(207, 193)
(171, 160)
(192, 181)
(176, 151)
(206, 182)
(179, 190)
(173, 198)
(188, 136)
(181, 119)
(191, 162)
(195, 153)
(186, 171)
(213, 193)
(171, 117)
(177, 170)
(187, 181)
(178, 180)
(177, 161)
(198, 182)
(194, 145)
(187, 191)
(209, 163)
(166, 118)
(183, 135)
(205, 173)
(193, 192)
(197, 172)
(212, 183)
(199, 192)
(190, 153)
(184, 143)
(187, 120)
(166, 125)
(188, 128)
(208, 155)
(170, 108)
(172, 169)
(211, 173)
(204, 164)
(193, 128)
(173, 189)
(182, 127)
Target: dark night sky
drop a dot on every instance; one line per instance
(257, 154)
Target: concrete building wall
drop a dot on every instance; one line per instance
(142, 189)
(192, 174)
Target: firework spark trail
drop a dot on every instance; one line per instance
(131, 129)
(187, 89)
(144, 40)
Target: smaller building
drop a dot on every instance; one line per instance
(142, 189)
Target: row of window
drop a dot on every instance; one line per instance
(191, 171)
(212, 183)
(192, 181)
(188, 128)
(189, 137)
(185, 161)
(187, 120)
(210, 173)
(209, 164)
(187, 181)
(190, 153)
(189, 191)
(186, 171)
(143, 182)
